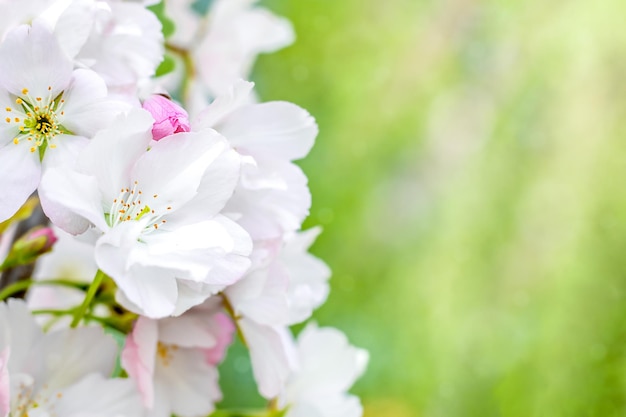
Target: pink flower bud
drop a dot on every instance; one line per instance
(169, 117)
(30, 246)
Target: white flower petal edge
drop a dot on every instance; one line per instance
(20, 171)
(272, 353)
(328, 366)
(96, 396)
(61, 372)
(286, 286)
(33, 59)
(272, 197)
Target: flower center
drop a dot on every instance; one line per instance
(37, 119)
(130, 206)
(165, 353)
(25, 400)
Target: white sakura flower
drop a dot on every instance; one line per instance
(49, 111)
(157, 212)
(173, 360)
(238, 32)
(121, 41)
(61, 373)
(286, 287)
(272, 197)
(328, 366)
(223, 42)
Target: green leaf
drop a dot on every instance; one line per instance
(168, 24)
(167, 65)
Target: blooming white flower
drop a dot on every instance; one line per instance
(59, 373)
(50, 111)
(327, 367)
(173, 360)
(285, 286)
(272, 197)
(225, 41)
(238, 32)
(157, 212)
(121, 41)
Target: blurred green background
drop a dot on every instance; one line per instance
(469, 176)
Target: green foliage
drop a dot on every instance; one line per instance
(468, 175)
(166, 66)
(167, 23)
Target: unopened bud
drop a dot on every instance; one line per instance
(169, 117)
(30, 246)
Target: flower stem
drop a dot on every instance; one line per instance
(55, 313)
(190, 71)
(91, 292)
(15, 288)
(19, 286)
(231, 311)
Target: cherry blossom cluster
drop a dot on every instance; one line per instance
(150, 213)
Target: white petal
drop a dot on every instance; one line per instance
(328, 363)
(309, 276)
(238, 33)
(31, 58)
(152, 290)
(174, 167)
(74, 353)
(270, 212)
(112, 153)
(271, 353)
(132, 26)
(276, 129)
(71, 200)
(86, 109)
(217, 186)
(192, 294)
(74, 25)
(20, 172)
(262, 296)
(139, 355)
(224, 104)
(189, 382)
(5, 394)
(95, 396)
(189, 330)
(20, 333)
(65, 155)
